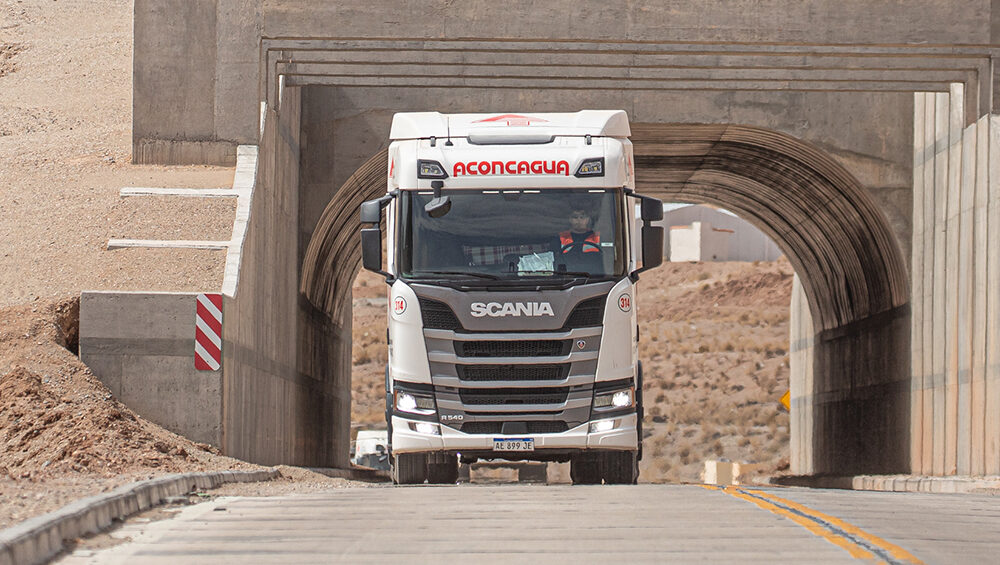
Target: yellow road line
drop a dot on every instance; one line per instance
(859, 543)
(894, 550)
(854, 549)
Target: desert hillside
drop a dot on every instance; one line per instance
(714, 341)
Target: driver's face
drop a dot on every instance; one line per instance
(579, 221)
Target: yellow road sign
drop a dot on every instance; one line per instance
(786, 400)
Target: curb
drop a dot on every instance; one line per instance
(40, 538)
(364, 474)
(896, 483)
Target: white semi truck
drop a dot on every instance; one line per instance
(512, 260)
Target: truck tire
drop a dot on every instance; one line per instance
(620, 467)
(409, 468)
(585, 470)
(442, 470)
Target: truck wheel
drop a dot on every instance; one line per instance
(442, 470)
(585, 471)
(409, 468)
(620, 467)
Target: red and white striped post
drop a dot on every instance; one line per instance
(208, 333)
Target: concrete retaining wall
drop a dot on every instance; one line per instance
(141, 346)
(850, 397)
(955, 409)
(281, 358)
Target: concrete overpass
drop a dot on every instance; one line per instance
(861, 137)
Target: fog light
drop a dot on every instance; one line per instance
(602, 426)
(426, 428)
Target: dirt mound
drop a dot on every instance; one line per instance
(764, 289)
(57, 418)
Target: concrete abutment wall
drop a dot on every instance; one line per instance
(955, 414)
(286, 366)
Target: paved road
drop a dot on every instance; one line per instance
(564, 524)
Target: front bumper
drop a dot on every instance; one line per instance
(406, 440)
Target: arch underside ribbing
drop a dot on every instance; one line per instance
(828, 225)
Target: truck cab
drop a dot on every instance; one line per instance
(512, 256)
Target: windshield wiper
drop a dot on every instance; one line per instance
(463, 273)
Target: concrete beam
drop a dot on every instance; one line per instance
(185, 192)
(116, 243)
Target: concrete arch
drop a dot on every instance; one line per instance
(831, 229)
(333, 256)
(856, 407)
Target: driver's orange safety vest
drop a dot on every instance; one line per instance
(566, 238)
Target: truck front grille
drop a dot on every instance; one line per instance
(513, 396)
(540, 427)
(519, 348)
(483, 373)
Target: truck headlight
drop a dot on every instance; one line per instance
(623, 398)
(414, 403)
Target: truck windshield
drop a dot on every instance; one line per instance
(516, 235)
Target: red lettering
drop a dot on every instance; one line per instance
(549, 167)
(459, 169)
(536, 167)
(562, 167)
(484, 167)
(522, 167)
(471, 168)
(497, 167)
(511, 167)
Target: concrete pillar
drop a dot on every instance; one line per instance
(927, 323)
(965, 279)
(920, 101)
(979, 305)
(952, 229)
(939, 297)
(800, 364)
(992, 425)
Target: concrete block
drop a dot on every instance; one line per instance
(137, 315)
(719, 473)
(107, 368)
(173, 38)
(169, 391)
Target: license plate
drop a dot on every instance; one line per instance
(514, 444)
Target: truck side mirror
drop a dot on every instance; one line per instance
(651, 209)
(371, 236)
(371, 212)
(652, 246)
(371, 249)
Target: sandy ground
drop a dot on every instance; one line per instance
(65, 149)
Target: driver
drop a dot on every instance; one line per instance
(580, 237)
